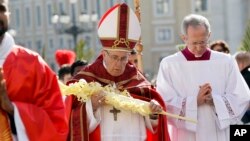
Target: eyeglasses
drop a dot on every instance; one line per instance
(116, 58)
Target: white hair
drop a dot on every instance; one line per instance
(194, 20)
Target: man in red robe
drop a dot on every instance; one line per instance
(97, 121)
(30, 98)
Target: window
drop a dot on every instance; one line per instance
(17, 18)
(85, 5)
(201, 5)
(164, 35)
(98, 8)
(49, 13)
(61, 8)
(29, 44)
(28, 18)
(39, 45)
(38, 16)
(61, 43)
(162, 7)
(51, 43)
(70, 43)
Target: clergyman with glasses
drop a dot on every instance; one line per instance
(118, 30)
(201, 84)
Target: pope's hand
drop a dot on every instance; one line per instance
(155, 107)
(5, 103)
(97, 100)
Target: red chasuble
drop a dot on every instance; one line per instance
(32, 86)
(131, 80)
(190, 56)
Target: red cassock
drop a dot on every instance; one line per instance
(133, 81)
(32, 86)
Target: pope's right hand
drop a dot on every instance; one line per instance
(98, 99)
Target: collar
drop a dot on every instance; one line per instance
(191, 57)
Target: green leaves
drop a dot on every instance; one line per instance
(83, 52)
(245, 43)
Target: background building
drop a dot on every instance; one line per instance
(161, 24)
(32, 25)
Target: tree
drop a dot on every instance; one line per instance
(245, 43)
(180, 47)
(83, 52)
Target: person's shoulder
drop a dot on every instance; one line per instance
(93, 66)
(25, 54)
(215, 55)
(20, 50)
(24, 57)
(174, 57)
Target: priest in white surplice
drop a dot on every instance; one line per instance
(201, 84)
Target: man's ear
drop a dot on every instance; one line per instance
(209, 34)
(103, 52)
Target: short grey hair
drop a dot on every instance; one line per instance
(194, 20)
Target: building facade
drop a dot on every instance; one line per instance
(32, 25)
(160, 20)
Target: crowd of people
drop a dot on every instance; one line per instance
(202, 82)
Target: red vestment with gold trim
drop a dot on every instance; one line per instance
(131, 80)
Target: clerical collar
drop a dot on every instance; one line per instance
(191, 57)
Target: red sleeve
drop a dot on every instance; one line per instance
(162, 128)
(34, 89)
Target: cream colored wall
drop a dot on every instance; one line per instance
(153, 52)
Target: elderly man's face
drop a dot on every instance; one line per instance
(197, 39)
(115, 61)
(4, 18)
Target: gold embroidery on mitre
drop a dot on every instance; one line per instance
(121, 40)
